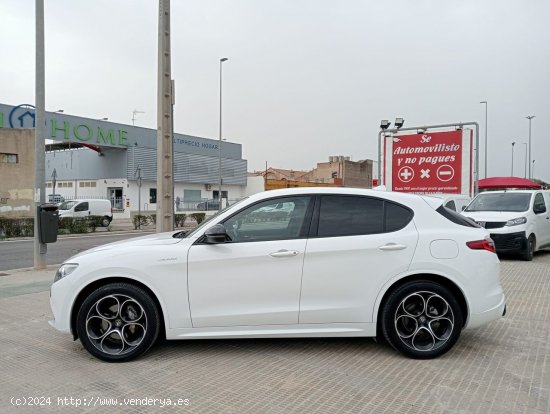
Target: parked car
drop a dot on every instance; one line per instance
(209, 205)
(519, 220)
(55, 198)
(344, 262)
(90, 207)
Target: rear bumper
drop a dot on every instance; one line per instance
(510, 242)
(496, 312)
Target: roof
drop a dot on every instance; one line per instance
(507, 182)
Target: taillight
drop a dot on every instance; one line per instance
(485, 244)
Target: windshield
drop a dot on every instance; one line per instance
(500, 202)
(207, 220)
(67, 205)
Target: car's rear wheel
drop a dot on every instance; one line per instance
(105, 221)
(529, 251)
(118, 322)
(421, 319)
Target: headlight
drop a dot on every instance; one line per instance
(65, 270)
(516, 221)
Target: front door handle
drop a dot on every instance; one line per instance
(284, 253)
(392, 247)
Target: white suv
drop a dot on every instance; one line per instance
(518, 220)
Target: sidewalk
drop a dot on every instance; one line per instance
(118, 226)
(18, 282)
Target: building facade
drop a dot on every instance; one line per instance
(100, 159)
(338, 171)
(17, 173)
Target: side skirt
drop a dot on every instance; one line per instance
(276, 331)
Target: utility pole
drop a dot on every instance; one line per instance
(165, 139)
(530, 117)
(40, 249)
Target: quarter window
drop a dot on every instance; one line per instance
(276, 219)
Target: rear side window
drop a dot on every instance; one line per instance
(456, 217)
(352, 216)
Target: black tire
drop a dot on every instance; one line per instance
(105, 221)
(118, 322)
(529, 251)
(421, 319)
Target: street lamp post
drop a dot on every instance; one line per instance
(220, 143)
(134, 112)
(485, 102)
(513, 143)
(533, 170)
(530, 117)
(525, 172)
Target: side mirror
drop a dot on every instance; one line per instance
(464, 208)
(216, 234)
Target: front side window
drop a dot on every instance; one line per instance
(451, 205)
(276, 219)
(539, 206)
(82, 207)
(67, 205)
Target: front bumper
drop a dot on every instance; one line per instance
(61, 299)
(510, 242)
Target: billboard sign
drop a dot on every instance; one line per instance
(430, 162)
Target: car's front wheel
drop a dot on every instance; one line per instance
(422, 319)
(529, 251)
(118, 322)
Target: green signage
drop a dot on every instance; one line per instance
(86, 133)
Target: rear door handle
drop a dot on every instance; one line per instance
(392, 246)
(284, 253)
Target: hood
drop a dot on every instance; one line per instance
(157, 239)
(494, 215)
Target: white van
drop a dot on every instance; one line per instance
(518, 220)
(83, 208)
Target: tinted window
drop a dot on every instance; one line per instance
(397, 217)
(349, 215)
(451, 205)
(539, 206)
(276, 219)
(152, 195)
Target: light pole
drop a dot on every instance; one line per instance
(485, 102)
(134, 112)
(513, 143)
(220, 143)
(529, 117)
(533, 170)
(525, 172)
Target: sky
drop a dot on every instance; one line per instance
(305, 79)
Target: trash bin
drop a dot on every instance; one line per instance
(48, 223)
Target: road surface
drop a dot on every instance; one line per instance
(18, 254)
